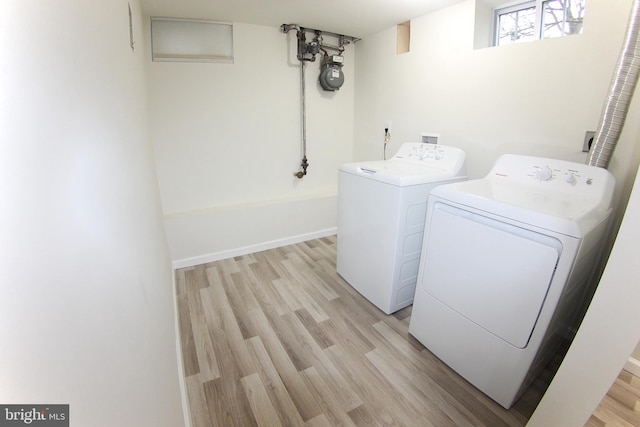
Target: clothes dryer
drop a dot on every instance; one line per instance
(505, 268)
(381, 212)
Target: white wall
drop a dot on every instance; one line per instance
(606, 337)
(86, 306)
(227, 137)
(227, 140)
(636, 352)
(633, 363)
(532, 98)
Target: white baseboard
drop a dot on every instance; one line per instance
(217, 256)
(633, 366)
(186, 411)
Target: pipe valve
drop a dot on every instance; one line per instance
(304, 165)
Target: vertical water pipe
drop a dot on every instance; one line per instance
(305, 164)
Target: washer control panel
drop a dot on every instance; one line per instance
(442, 156)
(427, 151)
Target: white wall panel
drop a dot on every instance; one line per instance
(86, 313)
(533, 98)
(228, 136)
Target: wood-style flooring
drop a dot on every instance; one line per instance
(279, 338)
(621, 406)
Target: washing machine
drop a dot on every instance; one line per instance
(381, 212)
(506, 268)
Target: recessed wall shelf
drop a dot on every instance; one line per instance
(191, 40)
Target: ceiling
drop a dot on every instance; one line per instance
(356, 18)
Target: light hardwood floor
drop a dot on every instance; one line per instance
(279, 338)
(621, 406)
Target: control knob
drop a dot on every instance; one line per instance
(544, 173)
(570, 178)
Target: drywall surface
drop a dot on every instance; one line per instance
(636, 353)
(86, 313)
(608, 334)
(536, 98)
(228, 138)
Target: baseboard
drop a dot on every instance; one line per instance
(217, 256)
(633, 366)
(186, 411)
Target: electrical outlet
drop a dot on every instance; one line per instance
(588, 140)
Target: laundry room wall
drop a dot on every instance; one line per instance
(606, 337)
(536, 98)
(227, 141)
(87, 308)
(636, 352)
(633, 363)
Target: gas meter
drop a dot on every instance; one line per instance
(331, 75)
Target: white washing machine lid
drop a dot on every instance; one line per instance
(415, 163)
(565, 197)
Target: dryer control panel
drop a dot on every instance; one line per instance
(568, 197)
(551, 173)
(571, 175)
(555, 187)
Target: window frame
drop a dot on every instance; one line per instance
(539, 6)
(515, 8)
(191, 40)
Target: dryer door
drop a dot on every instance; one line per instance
(494, 274)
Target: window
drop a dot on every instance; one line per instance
(538, 19)
(188, 40)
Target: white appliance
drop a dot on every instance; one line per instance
(381, 211)
(505, 268)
